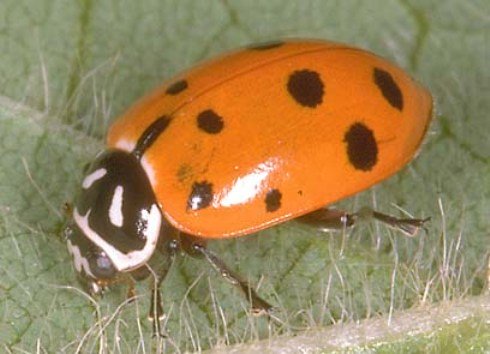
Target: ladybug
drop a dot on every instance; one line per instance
(238, 144)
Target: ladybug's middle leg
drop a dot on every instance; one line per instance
(328, 219)
(196, 247)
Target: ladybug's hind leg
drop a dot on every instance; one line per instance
(197, 248)
(328, 219)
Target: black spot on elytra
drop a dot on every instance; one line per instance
(210, 122)
(201, 195)
(177, 87)
(306, 88)
(389, 88)
(362, 148)
(273, 200)
(266, 45)
(150, 134)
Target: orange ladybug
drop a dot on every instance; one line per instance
(238, 144)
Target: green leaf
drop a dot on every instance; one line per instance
(69, 68)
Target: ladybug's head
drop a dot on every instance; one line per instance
(116, 220)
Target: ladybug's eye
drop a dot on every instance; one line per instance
(102, 267)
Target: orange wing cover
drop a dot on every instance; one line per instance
(266, 134)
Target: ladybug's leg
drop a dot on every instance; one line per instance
(196, 247)
(337, 219)
(168, 247)
(131, 293)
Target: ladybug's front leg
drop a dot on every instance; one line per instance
(168, 249)
(327, 219)
(196, 247)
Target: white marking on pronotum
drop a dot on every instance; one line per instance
(126, 262)
(150, 172)
(125, 145)
(78, 260)
(93, 177)
(115, 210)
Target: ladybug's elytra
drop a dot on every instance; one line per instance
(238, 144)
